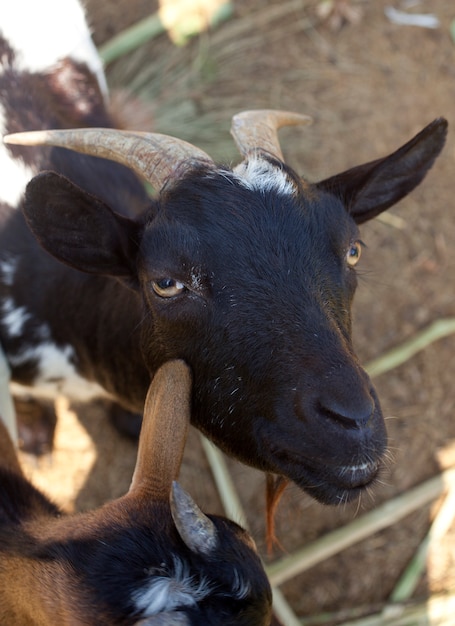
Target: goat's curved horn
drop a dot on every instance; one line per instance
(164, 431)
(257, 130)
(197, 531)
(152, 156)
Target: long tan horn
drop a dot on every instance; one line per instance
(164, 430)
(152, 156)
(257, 130)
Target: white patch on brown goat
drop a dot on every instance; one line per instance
(241, 588)
(170, 590)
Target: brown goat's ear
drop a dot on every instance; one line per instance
(369, 189)
(164, 431)
(79, 229)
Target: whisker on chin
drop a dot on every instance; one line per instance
(389, 458)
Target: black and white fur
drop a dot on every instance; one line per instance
(246, 273)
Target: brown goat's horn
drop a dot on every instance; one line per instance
(257, 130)
(164, 431)
(152, 156)
(196, 530)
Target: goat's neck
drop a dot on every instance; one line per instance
(107, 340)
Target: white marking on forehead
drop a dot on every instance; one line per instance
(43, 32)
(15, 174)
(258, 174)
(170, 590)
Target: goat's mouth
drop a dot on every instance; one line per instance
(339, 485)
(327, 483)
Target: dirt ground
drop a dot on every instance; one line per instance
(369, 86)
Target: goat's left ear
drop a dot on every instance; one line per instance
(79, 229)
(369, 189)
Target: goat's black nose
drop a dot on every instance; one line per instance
(349, 407)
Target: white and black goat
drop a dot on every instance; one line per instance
(247, 274)
(150, 557)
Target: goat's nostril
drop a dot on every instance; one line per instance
(354, 413)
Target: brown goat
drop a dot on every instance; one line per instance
(150, 557)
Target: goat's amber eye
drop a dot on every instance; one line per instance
(167, 287)
(354, 253)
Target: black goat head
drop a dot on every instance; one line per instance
(248, 274)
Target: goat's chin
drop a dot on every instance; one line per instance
(340, 486)
(334, 484)
(328, 482)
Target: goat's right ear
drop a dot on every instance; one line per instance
(370, 189)
(79, 229)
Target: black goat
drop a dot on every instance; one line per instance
(247, 273)
(136, 560)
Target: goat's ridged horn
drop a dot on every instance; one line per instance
(197, 531)
(152, 156)
(164, 431)
(257, 130)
